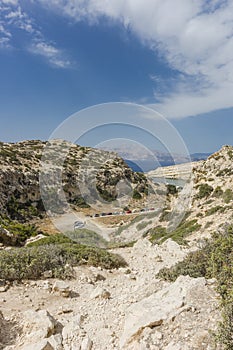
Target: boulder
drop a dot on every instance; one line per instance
(38, 324)
(100, 293)
(62, 288)
(159, 307)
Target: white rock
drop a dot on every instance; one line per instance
(62, 287)
(42, 345)
(158, 307)
(56, 341)
(100, 293)
(173, 346)
(71, 333)
(86, 344)
(38, 324)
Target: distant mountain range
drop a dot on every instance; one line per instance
(142, 160)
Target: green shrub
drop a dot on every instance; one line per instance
(87, 237)
(32, 262)
(106, 195)
(225, 331)
(204, 190)
(213, 210)
(218, 192)
(20, 232)
(52, 239)
(228, 196)
(156, 233)
(160, 234)
(81, 236)
(80, 202)
(136, 195)
(171, 189)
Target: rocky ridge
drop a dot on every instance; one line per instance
(21, 165)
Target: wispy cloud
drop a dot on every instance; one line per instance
(195, 38)
(13, 16)
(51, 53)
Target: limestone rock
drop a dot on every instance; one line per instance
(38, 324)
(86, 344)
(100, 293)
(42, 345)
(159, 307)
(62, 288)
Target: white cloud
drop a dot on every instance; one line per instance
(195, 37)
(51, 53)
(13, 16)
(5, 37)
(10, 2)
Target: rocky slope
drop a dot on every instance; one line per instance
(132, 307)
(20, 167)
(127, 308)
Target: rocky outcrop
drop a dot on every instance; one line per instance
(178, 171)
(21, 165)
(162, 308)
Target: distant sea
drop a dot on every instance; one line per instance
(144, 166)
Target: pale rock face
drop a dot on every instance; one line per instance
(159, 307)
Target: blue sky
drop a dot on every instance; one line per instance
(173, 55)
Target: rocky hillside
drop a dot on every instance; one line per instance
(19, 176)
(166, 290)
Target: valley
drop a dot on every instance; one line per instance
(155, 274)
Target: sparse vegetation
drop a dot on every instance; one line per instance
(32, 262)
(143, 225)
(159, 234)
(136, 195)
(214, 210)
(218, 192)
(228, 196)
(230, 154)
(204, 190)
(165, 215)
(214, 260)
(19, 232)
(171, 189)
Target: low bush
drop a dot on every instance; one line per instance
(171, 189)
(159, 234)
(218, 192)
(228, 196)
(80, 202)
(204, 191)
(214, 210)
(32, 262)
(20, 232)
(136, 195)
